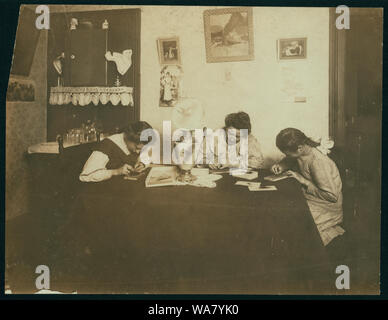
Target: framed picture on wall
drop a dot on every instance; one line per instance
(170, 85)
(228, 34)
(21, 90)
(169, 51)
(293, 48)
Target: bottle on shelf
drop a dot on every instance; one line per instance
(87, 129)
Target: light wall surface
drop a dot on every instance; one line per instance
(265, 87)
(25, 126)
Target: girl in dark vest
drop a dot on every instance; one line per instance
(116, 155)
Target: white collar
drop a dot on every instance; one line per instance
(118, 139)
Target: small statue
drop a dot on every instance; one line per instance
(57, 63)
(73, 23)
(105, 25)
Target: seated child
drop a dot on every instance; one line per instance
(116, 155)
(319, 176)
(238, 121)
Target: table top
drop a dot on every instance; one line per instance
(198, 234)
(226, 193)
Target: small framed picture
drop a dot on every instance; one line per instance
(293, 48)
(228, 34)
(169, 51)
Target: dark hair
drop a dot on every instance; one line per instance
(134, 130)
(238, 120)
(289, 139)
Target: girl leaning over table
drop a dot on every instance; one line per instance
(116, 155)
(319, 176)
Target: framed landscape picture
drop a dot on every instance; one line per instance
(294, 48)
(228, 34)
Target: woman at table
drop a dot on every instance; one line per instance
(116, 155)
(319, 177)
(238, 121)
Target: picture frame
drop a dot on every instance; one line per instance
(292, 48)
(229, 34)
(170, 85)
(20, 90)
(169, 51)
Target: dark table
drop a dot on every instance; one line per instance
(185, 239)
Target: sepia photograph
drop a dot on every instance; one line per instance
(170, 85)
(169, 52)
(292, 48)
(194, 150)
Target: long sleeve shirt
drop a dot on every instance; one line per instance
(112, 153)
(255, 156)
(323, 192)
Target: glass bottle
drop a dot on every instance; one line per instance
(87, 129)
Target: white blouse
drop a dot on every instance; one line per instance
(95, 169)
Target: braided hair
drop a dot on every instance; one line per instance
(289, 139)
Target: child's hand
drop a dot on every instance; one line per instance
(213, 166)
(277, 168)
(140, 167)
(126, 169)
(297, 176)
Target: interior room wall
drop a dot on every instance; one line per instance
(25, 126)
(265, 87)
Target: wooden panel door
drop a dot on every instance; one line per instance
(87, 57)
(355, 118)
(356, 97)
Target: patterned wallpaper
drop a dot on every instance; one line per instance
(25, 126)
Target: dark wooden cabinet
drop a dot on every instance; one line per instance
(86, 57)
(84, 65)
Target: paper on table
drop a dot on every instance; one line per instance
(247, 183)
(220, 171)
(249, 175)
(208, 181)
(161, 176)
(277, 177)
(200, 171)
(267, 188)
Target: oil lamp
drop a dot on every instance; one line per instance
(187, 116)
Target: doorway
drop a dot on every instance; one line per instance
(355, 125)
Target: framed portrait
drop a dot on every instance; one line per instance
(169, 51)
(294, 48)
(229, 34)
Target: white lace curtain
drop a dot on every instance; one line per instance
(83, 96)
